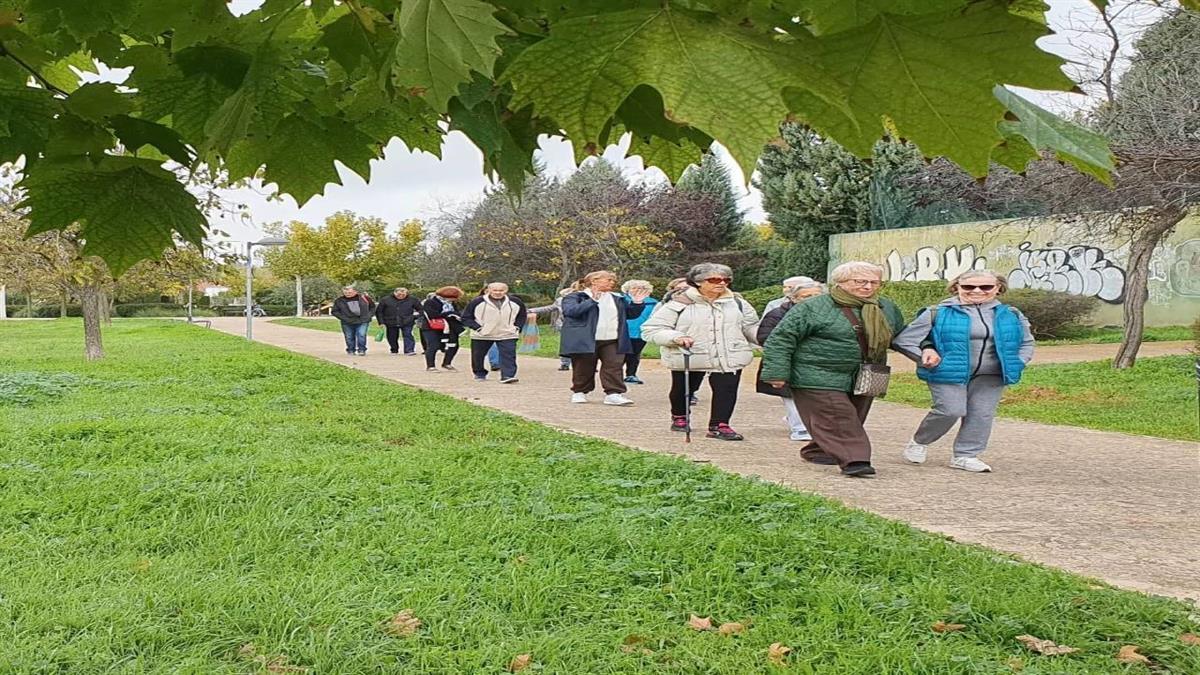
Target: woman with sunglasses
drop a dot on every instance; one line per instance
(817, 351)
(718, 326)
(968, 349)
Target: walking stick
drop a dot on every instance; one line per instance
(687, 393)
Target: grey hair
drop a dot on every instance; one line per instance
(637, 283)
(810, 284)
(702, 270)
(847, 270)
(1001, 280)
(349, 288)
(401, 288)
(794, 282)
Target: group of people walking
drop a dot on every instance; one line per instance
(824, 350)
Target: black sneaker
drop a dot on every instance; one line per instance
(724, 432)
(509, 380)
(858, 470)
(564, 366)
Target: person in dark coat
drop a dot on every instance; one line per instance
(397, 313)
(355, 311)
(798, 293)
(595, 330)
(443, 325)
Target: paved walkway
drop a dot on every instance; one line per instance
(1112, 506)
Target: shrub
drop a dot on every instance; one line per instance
(1196, 337)
(46, 311)
(913, 296)
(152, 312)
(759, 297)
(280, 310)
(150, 309)
(1052, 313)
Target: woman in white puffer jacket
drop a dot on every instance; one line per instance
(718, 326)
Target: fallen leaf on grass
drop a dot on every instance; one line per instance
(635, 643)
(1014, 664)
(698, 623)
(248, 650)
(731, 628)
(1190, 639)
(520, 662)
(521, 559)
(1046, 647)
(1129, 654)
(943, 627)
(403, 624)
(777, 652)
(142, 565)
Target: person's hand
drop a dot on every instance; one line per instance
(531, 317)
(778, 384)
(930, 358)
(685, 341)
(639, 294)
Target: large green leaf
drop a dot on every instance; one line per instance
(60, 73)
(303, 169)
(1044, 130)
(722, 79)
(262, 100)
(507, 141)
(932, 77)
(97, 101)
(670, 146)
(441, 42)
(25, 117)
(85, 18)
(825, 17)
(136, 133)
(128, 209)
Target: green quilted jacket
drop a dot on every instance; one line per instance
(814, 347)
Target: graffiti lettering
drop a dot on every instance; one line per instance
(1078, 270)
(929, 265)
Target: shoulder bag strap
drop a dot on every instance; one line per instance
(858, 331)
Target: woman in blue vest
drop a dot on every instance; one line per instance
(968, 349)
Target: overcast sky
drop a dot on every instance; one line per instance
(405, 184)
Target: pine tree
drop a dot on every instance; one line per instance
(712, 178)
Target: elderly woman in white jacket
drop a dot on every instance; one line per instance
(718, 326)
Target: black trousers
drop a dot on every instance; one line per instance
(394, 333)
(634, 358)
(508, 357)
(724, 389)
(435, 340)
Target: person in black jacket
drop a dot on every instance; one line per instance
(397, 313)
(798, 293)
(443, 325)
(354, 310)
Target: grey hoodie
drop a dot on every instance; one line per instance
(914, 337)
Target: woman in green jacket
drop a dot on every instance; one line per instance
(816, 352)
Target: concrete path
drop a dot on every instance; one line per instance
(1112, 506)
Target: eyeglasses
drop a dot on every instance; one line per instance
(986, 288)
(866, 282)
(720, 280)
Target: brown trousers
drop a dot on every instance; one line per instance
(835, 420)
(612, 369)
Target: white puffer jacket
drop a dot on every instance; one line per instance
(723, 330)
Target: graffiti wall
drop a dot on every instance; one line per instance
(1042, 254)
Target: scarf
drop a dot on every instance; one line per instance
(875, 324)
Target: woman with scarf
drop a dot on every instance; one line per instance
(443, 325)
(817, 352)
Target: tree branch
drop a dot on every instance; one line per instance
(32, 71)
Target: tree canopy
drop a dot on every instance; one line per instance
(285, 90)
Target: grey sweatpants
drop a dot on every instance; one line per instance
(975, 404)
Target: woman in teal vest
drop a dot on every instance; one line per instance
(968, 348)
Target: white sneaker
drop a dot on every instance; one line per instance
(801, 436)
(972, 464)
(914, 452)
(617, 399)
(579, 397)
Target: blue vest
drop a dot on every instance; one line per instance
(951, 334)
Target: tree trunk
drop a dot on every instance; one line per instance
(1137, 279)
(92, 300)
(106, 306)
(62, 304)
(29, 302)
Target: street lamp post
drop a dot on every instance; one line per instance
(266, 241)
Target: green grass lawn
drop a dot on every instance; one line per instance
(548, 347)
(1155, 398)
(1092, 335)
(194, 493)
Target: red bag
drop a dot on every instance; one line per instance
(437, 323)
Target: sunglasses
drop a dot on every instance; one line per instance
(983, 287)
(720, 280)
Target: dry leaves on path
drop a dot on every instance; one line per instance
(732, 628)
(943, 627)
(520, 662)
(1190, 639)
(700, 623)
(1129, 654)
(1047, 647)
(403, 624)
(777, 652)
